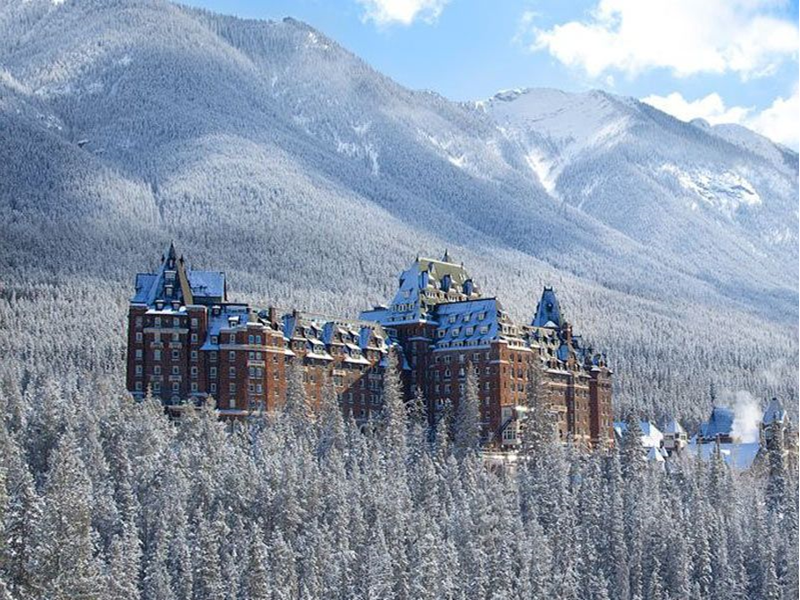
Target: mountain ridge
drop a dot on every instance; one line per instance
(269, 151)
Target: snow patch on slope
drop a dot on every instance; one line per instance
(725, 191)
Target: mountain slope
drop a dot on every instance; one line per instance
(716, 200)
(267, 150)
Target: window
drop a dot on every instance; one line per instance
(139, 354)
(138, 369)
(157, 321)
(232, 338)
(175, 354)
(194, 355)
(138, 321)
(470, 330)
(194, 338)
(194, 371)
(481, 316)
(214, 339)
(157, 370)
(467, 317)
(441, 332)
(251, 339)
(258, 340)
(232, 372)
(452, 319)
(194, 386)
(139, 337)
(176, 386)
(213, 356)
(138, 386)
(231, 355)
(259, 388)
(175, 370)
(212, 372)
(156, 386)
(232, 388)
(176, 322)
(194, 322)
(455, 331)
(176, 337)
(213, 388)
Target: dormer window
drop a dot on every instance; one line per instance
(159, 305)
(455, 331)
(168, 290)
(441, 333)
(481, 316)
(169, 275)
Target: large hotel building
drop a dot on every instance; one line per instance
(186, 342)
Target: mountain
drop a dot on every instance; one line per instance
(269, 151)
(715, 200)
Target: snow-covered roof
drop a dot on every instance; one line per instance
(720, 423)
(674, 428)
(651, 435)
(738, 456)
(421, 287)
(469, 323)
(548, 313)
(775, 413)
(202, 287)
(207, 284)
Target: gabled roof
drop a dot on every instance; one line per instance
(187, 286)
(548, 313)
(674, 428)
(426, 283)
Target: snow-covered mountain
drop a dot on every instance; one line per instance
(267, 150)
(714, 199)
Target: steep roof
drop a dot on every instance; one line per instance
(186, 286)
(720, 423)
(674, 428)
(775, 413)
(426, 283)
(548, 313)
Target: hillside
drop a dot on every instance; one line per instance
(267, 150)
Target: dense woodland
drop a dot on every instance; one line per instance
(269, 152)
(107, 498)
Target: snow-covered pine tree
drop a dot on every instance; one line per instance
(467, 422)
(394, 421)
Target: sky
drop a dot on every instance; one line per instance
(727, 61)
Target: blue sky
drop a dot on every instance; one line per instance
(723, 60)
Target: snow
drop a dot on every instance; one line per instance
(726, 191)
(738, 456)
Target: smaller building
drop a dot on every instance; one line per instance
(652, 437)
(675, 438)
(774, 419)
(718, 428)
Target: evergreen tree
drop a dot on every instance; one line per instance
(466, 426)
(394, 418)
(64, 564)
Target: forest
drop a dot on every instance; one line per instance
(104, 497)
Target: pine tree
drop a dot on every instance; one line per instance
(64, 565)
(394, 418)
(331, 422)
(256, 577)
(466, 426)
(538, 426)
(125, 558)
(297, 410)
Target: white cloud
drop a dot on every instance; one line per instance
(779, 122)
(404, 12)
(685, 36)
(711, 108)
